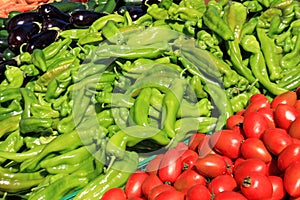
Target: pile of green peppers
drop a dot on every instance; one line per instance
(78, 112)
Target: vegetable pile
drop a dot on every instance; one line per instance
(91, 103)
(255, 157)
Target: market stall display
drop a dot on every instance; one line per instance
(111, 90)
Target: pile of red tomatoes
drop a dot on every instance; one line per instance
(257, 157)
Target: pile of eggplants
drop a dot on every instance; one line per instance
(27, 31)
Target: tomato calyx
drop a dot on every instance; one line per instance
(247, 181)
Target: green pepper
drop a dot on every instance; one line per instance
(272, 54)
(100, 23)
(14, 78)
(130, 136)
(22, 156)
(9, 124)
(142, 106)
(258, 65)
(216, 23)
(14, 108)
(55, 190)
(14, 182)
(53, 49)
(115, 176)
(35, 125)
(12, 143)
(291, 59)
(38, 59)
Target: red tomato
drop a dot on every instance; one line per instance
(229, 165)
(136, 198)
(222, 183)
(114, 194)
(181, 147)
(170, 194)
(240, 112)
(211, 165)
(198, 192)
(170, 166)
(272, 168)
(268, 113)
(133, 187)
(153, 165)
(278, 188)
(229, 195)
(189, 153)
(291, 179)
(289, 155)
(188, 162)
(234, 120)
(297, 106)
(256, 186)
(150, 182)
(258, 98)
(248, 166)
(195, 139)
(237, 162)
(294, 129)
(254, 106)
(154, 192)
(276, 139)
(254, 125)
(188, 179)
(255, 148)
(284, 115)
(226, 142)
(204, 147)
(288, 98)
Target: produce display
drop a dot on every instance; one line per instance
(86, 94)
(255, 157)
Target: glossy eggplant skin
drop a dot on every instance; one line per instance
(84, 17)
(56, 23)
(21, 34)
(41, 40)
(48, 11)
(134, 11)
(23, 18)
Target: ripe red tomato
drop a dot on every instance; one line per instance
(276, 139)
(150, 182)
(136, 198)
(254, 125)
(248, 166)
(188, 162)
(288, 98)
(133, 187)
(198, 192)
(234, 120)
(258, 98)
(291, 179)
(195, 140)
(114, 194)
(256, 104)
(278, 188)
(222, 183)
(255, 148)
(289, 155)
(284, 115)
(226, 142)
(154, 192)
(188, 179)
(211, 165)
(170, 166)
(272, 168)
(229, 195)
(229, 165)
(294, 128)
(256, 186)
(204, 147)
(268, 113)
(170, 194)
(153, 165)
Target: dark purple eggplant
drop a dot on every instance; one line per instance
(84, 17)
(23, 18)
(55, 22)
(48, 11)
(41, 40)
(135, 12)
(21, 34)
